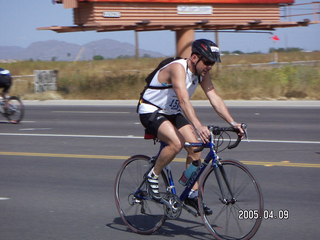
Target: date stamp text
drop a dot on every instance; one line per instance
(250, 214)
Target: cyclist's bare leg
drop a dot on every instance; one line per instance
(174, 143)
(174, 140)
(190, 136)
(4, 98)
(3, 95)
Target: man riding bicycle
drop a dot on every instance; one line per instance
(166, 112)
(5, 82)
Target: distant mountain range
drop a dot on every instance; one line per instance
(63, 51)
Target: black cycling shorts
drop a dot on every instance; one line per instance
(152, 122)
(5, 82)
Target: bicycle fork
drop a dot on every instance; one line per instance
(218, 167)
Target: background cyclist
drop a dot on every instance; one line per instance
(5, 82)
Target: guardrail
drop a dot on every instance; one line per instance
(276, 64)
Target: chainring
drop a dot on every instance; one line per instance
(174, 211)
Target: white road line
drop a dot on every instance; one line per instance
(67, 135)
(140, 137)
(90, 112)
(282, 141)
(4, 198)
(33, 129)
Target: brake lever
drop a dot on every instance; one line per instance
(245, 130)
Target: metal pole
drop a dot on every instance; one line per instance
(136, 37)
(216, 37)
(184, 39)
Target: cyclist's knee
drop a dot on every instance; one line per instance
(176, 146)
(192, 154)
(168, 134)
(194, 158)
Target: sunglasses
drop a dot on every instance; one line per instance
(207, 62)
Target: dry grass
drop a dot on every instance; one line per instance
(124, 78)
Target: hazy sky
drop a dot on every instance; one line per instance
(20, 18)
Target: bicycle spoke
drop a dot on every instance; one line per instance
(138, 211)
(14, 110)
(225, 223)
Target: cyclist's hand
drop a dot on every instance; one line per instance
(239, 127)
(204, 133)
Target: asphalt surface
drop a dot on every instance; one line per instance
(57, 169)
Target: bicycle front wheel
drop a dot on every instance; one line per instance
(235, 197)
(14, 110)
(137, 210)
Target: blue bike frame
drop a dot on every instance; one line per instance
(210, 156)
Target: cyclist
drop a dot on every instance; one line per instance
(5, 82)
(165, 110)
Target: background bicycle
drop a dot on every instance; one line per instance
(226, 186)
(12, 109)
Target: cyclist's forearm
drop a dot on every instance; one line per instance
(186, 106)
(189, 112)
(221, 108)
(223, 112)
(216, 101)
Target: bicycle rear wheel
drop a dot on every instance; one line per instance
(237, 210)
(15, 109)
(137, 210)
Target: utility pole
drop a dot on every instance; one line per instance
(216, 38)
(136, 37)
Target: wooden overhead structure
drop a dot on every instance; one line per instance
(181, 16)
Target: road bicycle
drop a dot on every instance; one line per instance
(12, 109)
(226, 186)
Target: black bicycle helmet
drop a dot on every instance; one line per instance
(206, 49)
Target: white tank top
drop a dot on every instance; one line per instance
(165, 98)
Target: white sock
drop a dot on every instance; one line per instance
(193, 193)
(152, 174)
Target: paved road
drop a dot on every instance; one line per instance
(58, 166)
